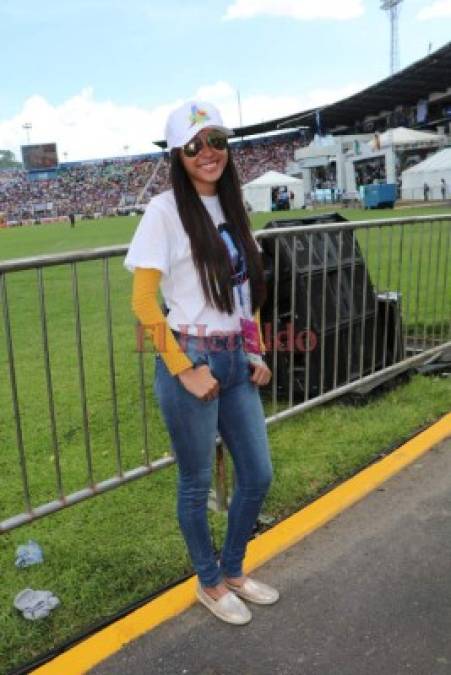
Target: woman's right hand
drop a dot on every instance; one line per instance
(200, 382)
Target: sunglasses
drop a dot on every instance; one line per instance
(215, 140)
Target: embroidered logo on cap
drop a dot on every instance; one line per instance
(197, 116)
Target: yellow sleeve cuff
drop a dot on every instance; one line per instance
(257, 320)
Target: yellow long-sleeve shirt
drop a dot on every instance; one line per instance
(148, 311)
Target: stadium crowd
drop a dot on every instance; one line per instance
(104, 186)
(252, 158)
(86, 188)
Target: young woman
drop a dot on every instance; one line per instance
(194, 243)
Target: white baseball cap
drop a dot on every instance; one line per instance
(186, 121)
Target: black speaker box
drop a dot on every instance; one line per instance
(349, 330)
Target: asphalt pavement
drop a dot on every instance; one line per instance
(367, 594)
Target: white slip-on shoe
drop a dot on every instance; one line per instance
(255, 591)
(228, 608)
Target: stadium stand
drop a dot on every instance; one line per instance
(107, 187)
(86, 188)
(418, 97)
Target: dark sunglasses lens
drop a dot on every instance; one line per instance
(193, 148)
(217, 141)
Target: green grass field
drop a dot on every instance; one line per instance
(112, 550)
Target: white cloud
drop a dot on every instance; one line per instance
(440, 9)
(304, 10)
(263, 107)
(86, 128)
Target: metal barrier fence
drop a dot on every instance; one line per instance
(349, 304)
(437, 193)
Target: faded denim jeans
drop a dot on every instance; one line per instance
(193, 424)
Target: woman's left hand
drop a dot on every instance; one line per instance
(261, 374)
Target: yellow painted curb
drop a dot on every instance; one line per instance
(96, 648)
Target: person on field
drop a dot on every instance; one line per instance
(194, 243)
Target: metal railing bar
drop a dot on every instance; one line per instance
(142, 396)
(445, 283)
(376, 302)
(409, 288)
(275, 320)
(49, 383)
(337, 227)
(111, 364)
(436, 284)
(387, 299)
(398, 326)
(20, 264)
(323, 313)
(338, 307)
(428, 278)
(417, 295)
(85, 493)
(351, 308)
(15, 398)
(396, 368)
(309, 319)
(365, 291)
(294, 254)
(81, 374)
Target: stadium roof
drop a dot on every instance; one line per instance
(431, 74)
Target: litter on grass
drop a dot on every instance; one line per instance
(29, 554)
(35, 604)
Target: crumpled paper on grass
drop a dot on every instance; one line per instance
(35, 604)
(29, 554)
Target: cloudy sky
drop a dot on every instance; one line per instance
(99, 77)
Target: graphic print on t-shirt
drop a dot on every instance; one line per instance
(239, 274)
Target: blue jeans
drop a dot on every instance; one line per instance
(193, 424)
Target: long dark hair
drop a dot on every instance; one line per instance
(208, 249)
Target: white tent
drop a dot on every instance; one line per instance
(401, 136)
(258, 193)
(431, 171)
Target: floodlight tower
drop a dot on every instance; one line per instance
(27, 126)
(392, 7)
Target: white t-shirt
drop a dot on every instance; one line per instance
(160, 242)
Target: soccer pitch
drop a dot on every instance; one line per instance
(114, 549)
(23, 300)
